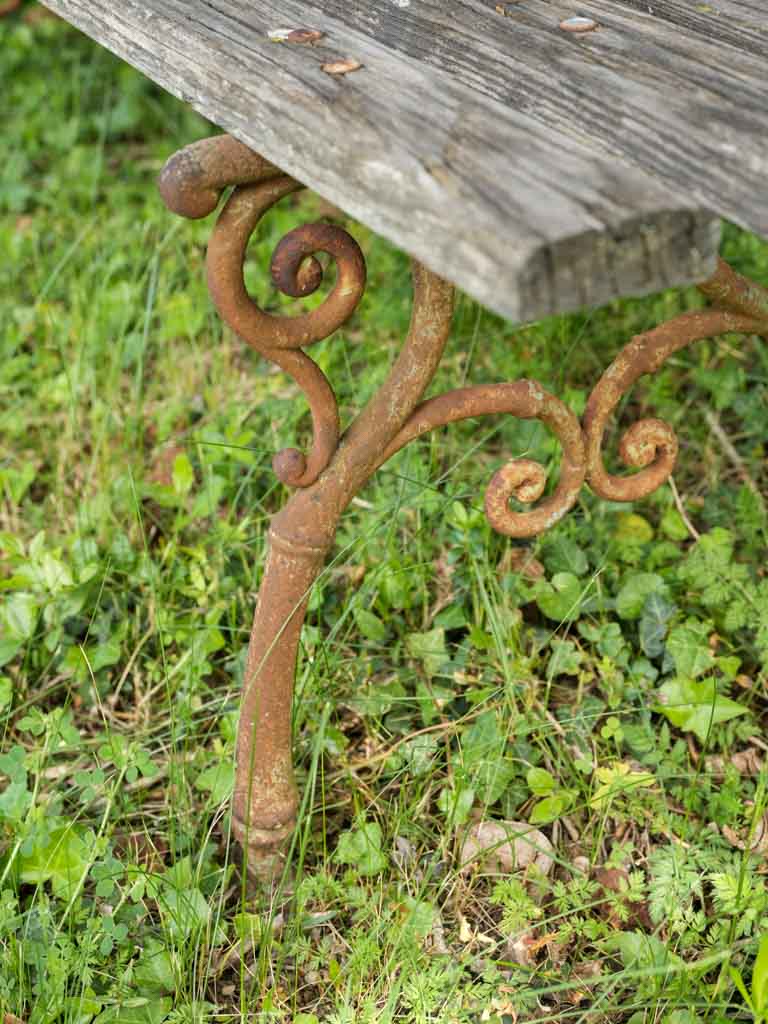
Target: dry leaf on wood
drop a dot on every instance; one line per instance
(341, 67)
(302, 36)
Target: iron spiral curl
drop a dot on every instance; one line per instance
(191, 184)
(650, 445)
(521, 479)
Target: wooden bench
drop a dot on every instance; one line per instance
(543, 155)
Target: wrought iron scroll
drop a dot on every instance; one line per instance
(191, 184)
(650, 445)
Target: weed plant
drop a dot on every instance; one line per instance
(607, 683)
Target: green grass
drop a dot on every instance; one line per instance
(618, 701)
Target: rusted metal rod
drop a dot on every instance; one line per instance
(739, 306)
(265, 798)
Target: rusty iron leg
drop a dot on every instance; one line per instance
(338, 464)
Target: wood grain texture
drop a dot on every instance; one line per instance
(539, 171)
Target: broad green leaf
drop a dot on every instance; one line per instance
(639, 951)
(137, 1011)
(632, 529)
(429, 648)
(154, 970)
(81, 1008)
(633, 594)
(59, 857)
(207, 500)
(696, 706)
(18, 618)
(218, 780)
(566, 658)
(361, 848)
(618, 780)
(561, 554)
(657, 611)
(184, 911)
(456, 803)
(183, 475)
(540, 781)
(550, 808)
(673, 525)
(689, 648)
(419, 753)
(419, 916)
(760, 977)
(370, 625)
(15, 798)
(560, 598)
(483, 758)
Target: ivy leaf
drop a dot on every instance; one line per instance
(560, 598)
(657, 611)
(689, 648)
(632, 597)
(566, 658)
(361, 848)
(696, 706)
(429, 648)
(561, 554)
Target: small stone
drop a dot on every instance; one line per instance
(501, 847)
(578, 24)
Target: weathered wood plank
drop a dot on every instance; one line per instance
(677, 88)
(421, 144)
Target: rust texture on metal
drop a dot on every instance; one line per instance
(192, 180)
(296, 272)
(650, 445)
(301, 534)
(521, 479)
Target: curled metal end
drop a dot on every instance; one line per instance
(521, 479)
(650, 445)
(192, 180)
(290, 466)
(296, 272)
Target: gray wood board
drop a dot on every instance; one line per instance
(435, 152)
